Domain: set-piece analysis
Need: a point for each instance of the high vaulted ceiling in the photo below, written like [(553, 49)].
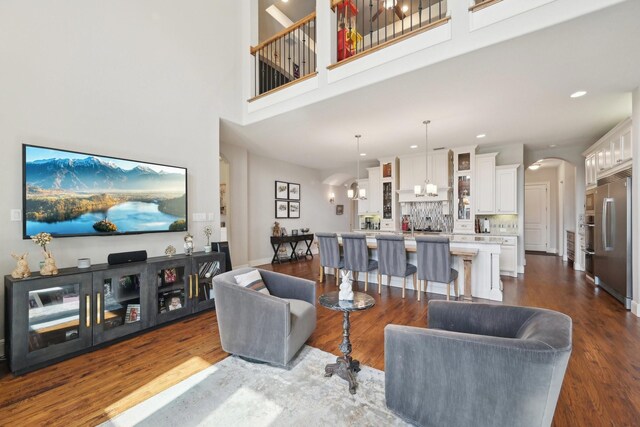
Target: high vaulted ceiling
[(514, 92)]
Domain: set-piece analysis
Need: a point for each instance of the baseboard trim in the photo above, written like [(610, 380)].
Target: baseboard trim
[(635, 308), (552, 251), (260, 261)]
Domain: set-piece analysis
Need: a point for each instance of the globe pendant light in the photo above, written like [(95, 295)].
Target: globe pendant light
[(429, 189)]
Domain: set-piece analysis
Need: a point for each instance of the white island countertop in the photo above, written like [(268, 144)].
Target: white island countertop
[(485, 273)]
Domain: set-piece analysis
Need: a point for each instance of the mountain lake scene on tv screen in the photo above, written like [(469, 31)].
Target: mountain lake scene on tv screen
[(70, 193)]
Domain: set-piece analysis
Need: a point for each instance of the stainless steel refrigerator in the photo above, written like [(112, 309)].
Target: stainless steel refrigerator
[(612, 259)]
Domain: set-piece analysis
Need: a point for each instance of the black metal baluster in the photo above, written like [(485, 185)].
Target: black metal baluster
[(411, 14), (420, 8), (386, 26), (304, 48), (315, 48)]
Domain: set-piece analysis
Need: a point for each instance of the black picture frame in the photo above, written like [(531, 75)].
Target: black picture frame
[(339, 209), (281, 209), (293, 209), (294, 191), (281, 190)]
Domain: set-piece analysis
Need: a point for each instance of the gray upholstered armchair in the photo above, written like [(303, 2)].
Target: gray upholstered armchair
[(478, 365), (269, 328)]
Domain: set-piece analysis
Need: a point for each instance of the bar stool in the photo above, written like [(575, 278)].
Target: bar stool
[(356, 256), (434, 262), (329, 254), (392, 257)]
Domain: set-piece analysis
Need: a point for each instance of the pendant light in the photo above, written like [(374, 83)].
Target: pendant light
[(428, 189), (358, 193)]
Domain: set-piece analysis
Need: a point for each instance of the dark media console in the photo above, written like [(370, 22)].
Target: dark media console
[(52, 318)]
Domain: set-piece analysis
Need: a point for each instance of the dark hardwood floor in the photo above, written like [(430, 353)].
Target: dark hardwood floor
[(601, 387)]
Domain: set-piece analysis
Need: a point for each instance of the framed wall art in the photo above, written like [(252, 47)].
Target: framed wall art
[(294, 191), (282, 190), (339, 209), (294, 209), (282, 209)]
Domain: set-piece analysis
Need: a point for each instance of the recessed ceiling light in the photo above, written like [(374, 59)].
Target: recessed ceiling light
[(578, 94), (405, 8), (363, 154), (482, 135), (553, 145), (414, 146), (534, 166), (285, 1)]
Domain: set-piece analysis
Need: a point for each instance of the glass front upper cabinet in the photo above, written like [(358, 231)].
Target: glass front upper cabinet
[(387, 200), (464, 196), (463, 162)]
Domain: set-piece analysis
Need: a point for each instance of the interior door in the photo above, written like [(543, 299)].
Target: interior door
[(536, 236)]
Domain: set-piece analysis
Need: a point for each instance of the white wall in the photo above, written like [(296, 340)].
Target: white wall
[(635, 305), (144, 80), (238, 208), (316, 212), (541, 176)]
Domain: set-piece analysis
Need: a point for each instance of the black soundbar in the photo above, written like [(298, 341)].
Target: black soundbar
[(127, 257)]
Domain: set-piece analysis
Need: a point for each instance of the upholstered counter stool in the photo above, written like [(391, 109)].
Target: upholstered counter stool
[(356, 256), (434, 262), (330, 254), (392, 259)]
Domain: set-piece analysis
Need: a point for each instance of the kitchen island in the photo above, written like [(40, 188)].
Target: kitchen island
[(485, 267)]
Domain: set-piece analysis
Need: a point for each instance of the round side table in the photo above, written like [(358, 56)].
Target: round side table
[(345, 367)]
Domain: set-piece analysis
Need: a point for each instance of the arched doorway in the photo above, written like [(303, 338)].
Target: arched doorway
[(225, 216)]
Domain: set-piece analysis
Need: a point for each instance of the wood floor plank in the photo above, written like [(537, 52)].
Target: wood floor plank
[(601, 387)]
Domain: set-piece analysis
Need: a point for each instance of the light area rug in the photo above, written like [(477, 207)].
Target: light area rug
[(234, 392)]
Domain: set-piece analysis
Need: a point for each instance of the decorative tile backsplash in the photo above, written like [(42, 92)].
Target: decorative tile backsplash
[(430, 214)]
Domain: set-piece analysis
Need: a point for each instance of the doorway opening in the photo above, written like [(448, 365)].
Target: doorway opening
[(225, 217), (550, 225)]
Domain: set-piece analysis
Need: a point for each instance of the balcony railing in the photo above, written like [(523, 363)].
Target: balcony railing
[(365, 25), (285, 58)]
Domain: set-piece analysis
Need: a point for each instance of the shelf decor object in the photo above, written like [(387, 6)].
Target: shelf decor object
[(357, 193), (428, 189)]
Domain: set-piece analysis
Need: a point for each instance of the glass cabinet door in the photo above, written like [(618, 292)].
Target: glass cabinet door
[(387, 200), (205, 268), (464, 197), (119, 304), (174, 288), (57, 317)]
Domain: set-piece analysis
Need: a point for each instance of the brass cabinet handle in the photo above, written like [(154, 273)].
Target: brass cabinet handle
[(98, 310), (197, 292), (191, 286), (88, 308)]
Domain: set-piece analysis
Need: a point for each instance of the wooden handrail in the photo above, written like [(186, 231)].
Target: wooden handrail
[(483, 4), (334, 3), (381, 46), (284, 32)]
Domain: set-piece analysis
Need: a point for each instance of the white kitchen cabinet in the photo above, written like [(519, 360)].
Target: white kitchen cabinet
[(363, 205), (485, 171), (590, 170), (413, 168), (506, 195), (611, 154), (374, 193), (509, 256), (625, 140), (464, 189)]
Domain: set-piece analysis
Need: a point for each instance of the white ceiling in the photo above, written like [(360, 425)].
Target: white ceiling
[(514, 92)]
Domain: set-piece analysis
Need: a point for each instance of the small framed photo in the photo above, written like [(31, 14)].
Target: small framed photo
[(294, 232), (283, 231), (170, 275), (282, 209), (294, 209), (339, 209), (294, 191), (133, 313), (282, 191)]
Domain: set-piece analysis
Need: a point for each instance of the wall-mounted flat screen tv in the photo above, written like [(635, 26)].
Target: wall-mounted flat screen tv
[(67, 193)]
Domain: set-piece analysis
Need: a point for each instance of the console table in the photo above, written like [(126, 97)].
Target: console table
[(278, 241)]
